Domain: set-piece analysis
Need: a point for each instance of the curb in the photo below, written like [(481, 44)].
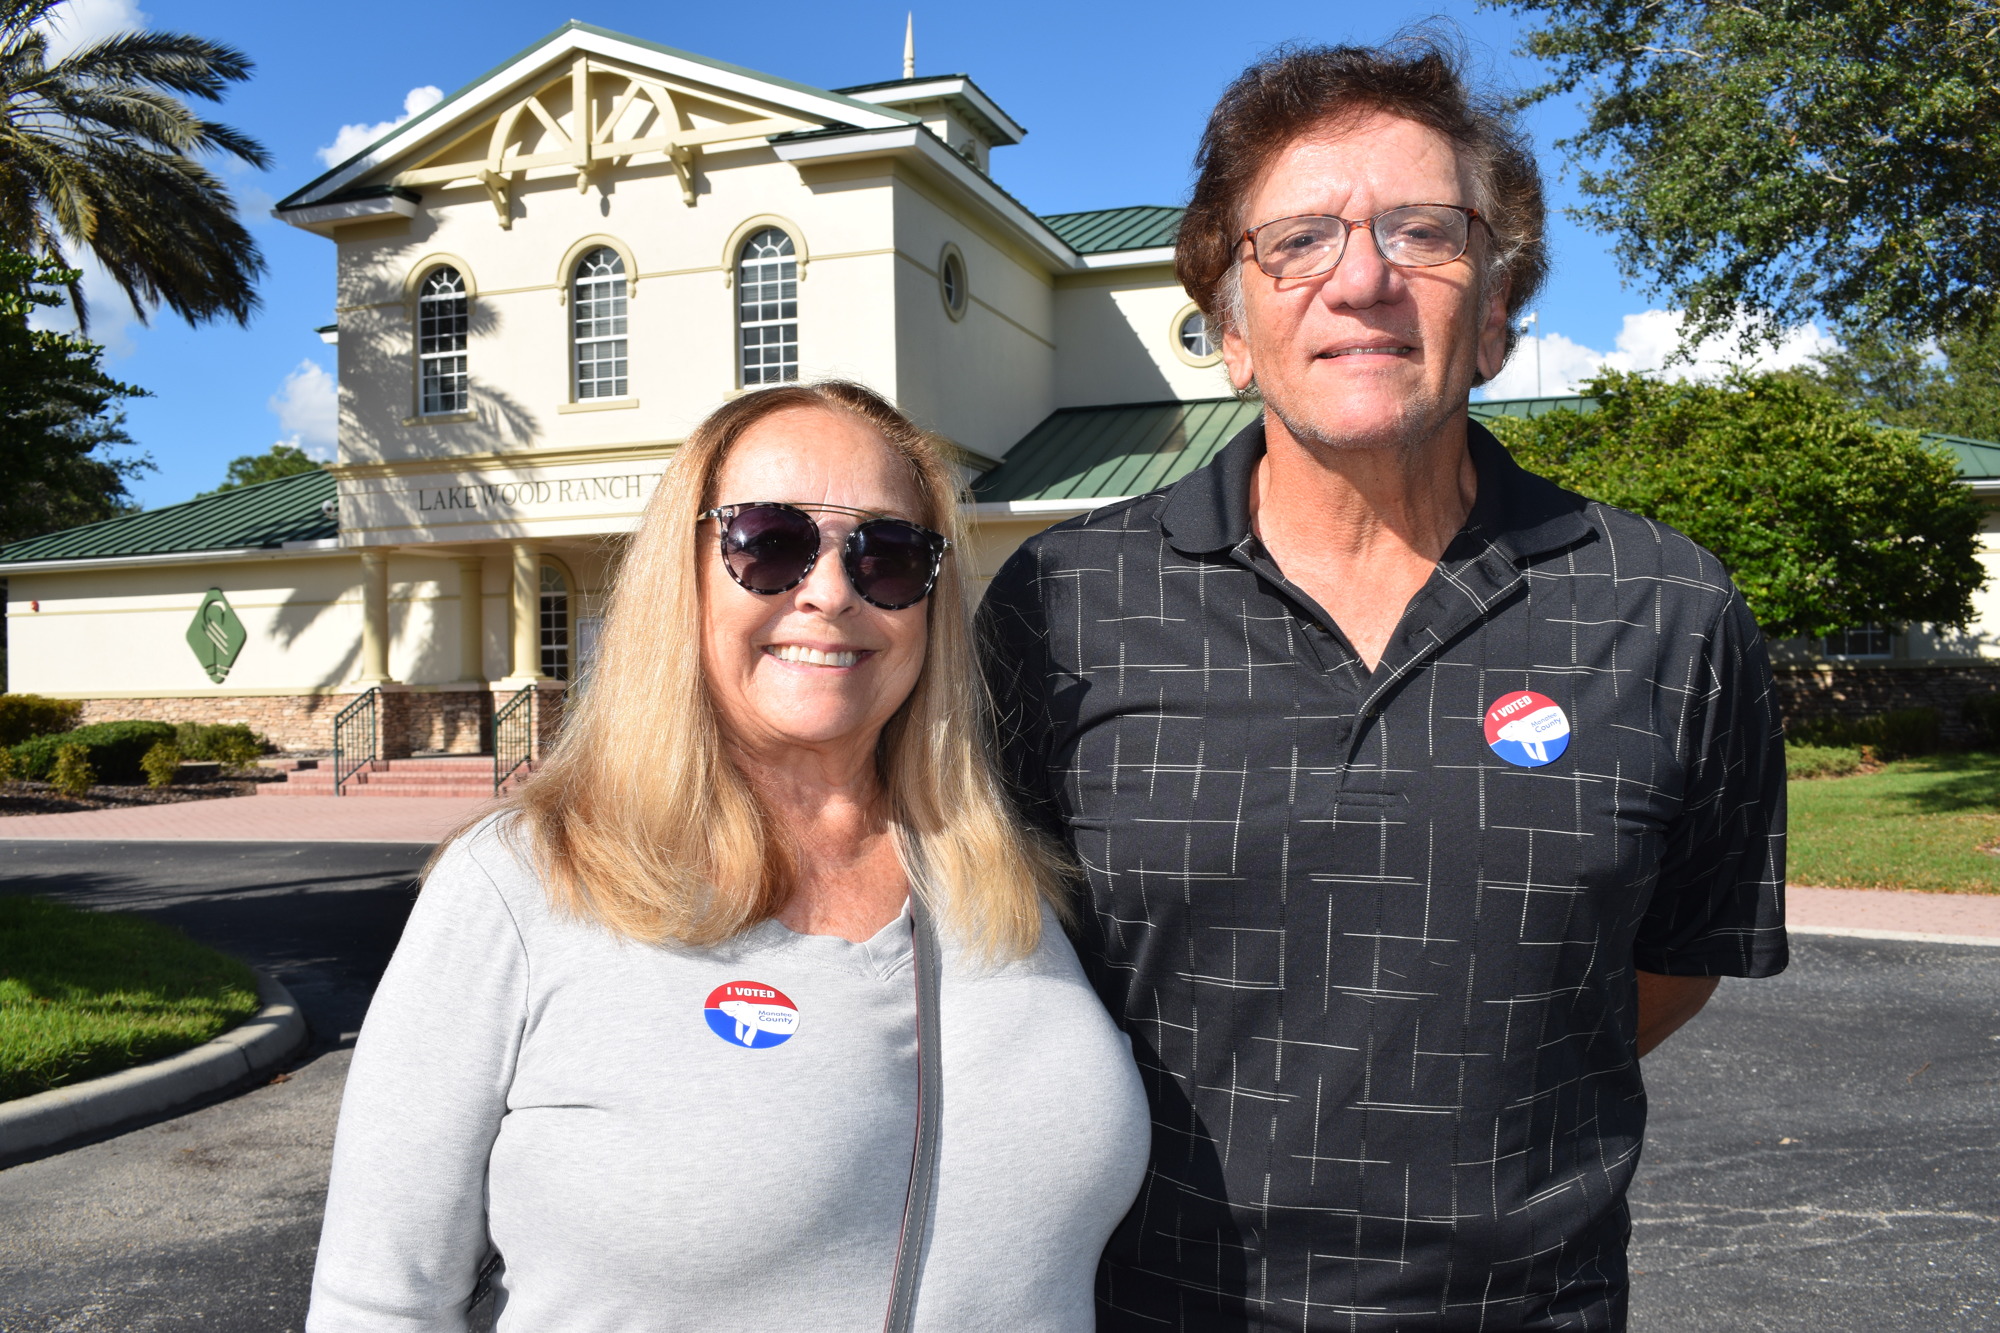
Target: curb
[(276, 1031), (1908, 936)]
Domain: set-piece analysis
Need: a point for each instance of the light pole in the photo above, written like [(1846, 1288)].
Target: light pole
[(1529, 325)]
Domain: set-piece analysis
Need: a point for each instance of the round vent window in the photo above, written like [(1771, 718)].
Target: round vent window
[(1193, 340), (1194, 335), (951, 282)]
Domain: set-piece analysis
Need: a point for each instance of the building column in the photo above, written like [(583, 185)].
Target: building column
[(527, 663), (375, 618), (471, 618)]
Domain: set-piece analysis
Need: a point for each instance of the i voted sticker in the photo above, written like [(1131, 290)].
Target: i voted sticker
[(749, 1013), (1527, 729)]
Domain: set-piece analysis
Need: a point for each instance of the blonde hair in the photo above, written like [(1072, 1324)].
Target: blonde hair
[(642, 822)]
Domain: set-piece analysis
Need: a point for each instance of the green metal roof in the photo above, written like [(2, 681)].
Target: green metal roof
[(1103, 230), (1092, 453), (272, 513), (1107, 453), (1978, 460), (1531, 407)]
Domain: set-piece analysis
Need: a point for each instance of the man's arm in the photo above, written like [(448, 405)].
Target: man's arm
[(1012, 633), (1665, 1003), (1717, 908)]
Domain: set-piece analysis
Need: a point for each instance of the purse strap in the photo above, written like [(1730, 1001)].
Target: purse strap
[(925, 966)]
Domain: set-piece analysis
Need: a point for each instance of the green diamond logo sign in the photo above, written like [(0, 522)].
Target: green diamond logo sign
[(216, 635)]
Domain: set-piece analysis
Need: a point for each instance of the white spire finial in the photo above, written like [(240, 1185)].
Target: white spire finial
[(910, 45)]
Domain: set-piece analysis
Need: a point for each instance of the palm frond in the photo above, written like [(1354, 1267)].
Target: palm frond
[(178, 62), (21, 20), (98, 151)]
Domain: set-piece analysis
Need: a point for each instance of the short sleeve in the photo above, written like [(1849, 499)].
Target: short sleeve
[(1718, 909), (1014, 654), (405, 1230)]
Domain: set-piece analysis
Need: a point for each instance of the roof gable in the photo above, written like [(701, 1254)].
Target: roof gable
[(520, 115)]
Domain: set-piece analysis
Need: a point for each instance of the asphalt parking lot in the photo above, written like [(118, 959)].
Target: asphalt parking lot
[(1824, 1152)]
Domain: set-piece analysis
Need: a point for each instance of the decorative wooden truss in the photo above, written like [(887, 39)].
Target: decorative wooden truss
[(650, 115)]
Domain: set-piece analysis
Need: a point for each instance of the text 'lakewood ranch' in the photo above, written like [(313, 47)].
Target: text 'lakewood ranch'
[(631, 486)]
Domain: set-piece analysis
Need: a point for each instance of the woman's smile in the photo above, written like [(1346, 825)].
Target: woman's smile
[(812, 658)]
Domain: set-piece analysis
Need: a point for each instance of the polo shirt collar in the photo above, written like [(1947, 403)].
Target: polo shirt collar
[(1519, 513)]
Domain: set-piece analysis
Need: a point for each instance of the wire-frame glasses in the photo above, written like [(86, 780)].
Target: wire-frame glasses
[(1413, 236)]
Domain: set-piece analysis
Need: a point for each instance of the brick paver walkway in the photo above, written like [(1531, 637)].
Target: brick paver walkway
[(250, 819), (427, 818), (1972, 915)]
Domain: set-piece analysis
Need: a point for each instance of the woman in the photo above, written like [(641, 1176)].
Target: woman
[(650, 1037)]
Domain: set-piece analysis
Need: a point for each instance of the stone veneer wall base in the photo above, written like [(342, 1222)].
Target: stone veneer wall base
[(1807, 693), (451, 721)]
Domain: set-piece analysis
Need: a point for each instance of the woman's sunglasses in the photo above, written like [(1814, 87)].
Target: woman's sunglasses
[(770, 547)]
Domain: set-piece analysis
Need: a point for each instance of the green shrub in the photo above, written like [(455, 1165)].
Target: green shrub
[(1903, 733), (1908, 732), (6, 764), (1820, 761), (114, 749), (1982, 711), (230, 744), (1840, 732), (162, 763), (72, 775), (23, 716)]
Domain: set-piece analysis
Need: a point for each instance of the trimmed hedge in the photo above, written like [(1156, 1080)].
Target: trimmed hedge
[(23, 716), (230, 744), (1982, 712), (113, 748), (1904, 733), (1820, 761)]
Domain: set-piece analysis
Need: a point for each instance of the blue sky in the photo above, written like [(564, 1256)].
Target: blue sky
[(1113, 97)]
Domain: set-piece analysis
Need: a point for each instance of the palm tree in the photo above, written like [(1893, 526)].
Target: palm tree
[(95, 154)]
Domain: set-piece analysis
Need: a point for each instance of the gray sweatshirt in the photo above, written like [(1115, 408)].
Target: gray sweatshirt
[(659, 1138)]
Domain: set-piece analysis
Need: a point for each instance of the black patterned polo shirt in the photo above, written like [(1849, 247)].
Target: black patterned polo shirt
[(1374, 933)]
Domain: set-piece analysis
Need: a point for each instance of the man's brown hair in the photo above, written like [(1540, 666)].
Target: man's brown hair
[(1416, 76)]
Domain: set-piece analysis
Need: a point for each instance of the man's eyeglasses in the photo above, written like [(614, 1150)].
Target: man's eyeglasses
[(770, 547), (1413, 236)]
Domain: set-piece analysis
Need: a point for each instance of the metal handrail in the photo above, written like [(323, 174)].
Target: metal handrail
[(513, 736), (354, 724)]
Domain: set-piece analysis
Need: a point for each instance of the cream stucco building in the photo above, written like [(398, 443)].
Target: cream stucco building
[(543, 283)]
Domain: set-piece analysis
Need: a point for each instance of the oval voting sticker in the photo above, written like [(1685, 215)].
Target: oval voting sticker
[(749, 1013), (1527, 729)]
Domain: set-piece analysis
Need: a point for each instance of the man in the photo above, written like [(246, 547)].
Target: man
[(1417, 797)]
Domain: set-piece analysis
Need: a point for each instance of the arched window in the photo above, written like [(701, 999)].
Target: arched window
[(555, 623), (767, 308), (598, 298), (441, 376)]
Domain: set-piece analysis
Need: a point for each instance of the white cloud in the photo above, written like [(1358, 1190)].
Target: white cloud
[(1645, 342), (307, 406), (353, 138), (81, 22)]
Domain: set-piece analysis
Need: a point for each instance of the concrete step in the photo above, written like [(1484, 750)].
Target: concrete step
[(397, 776), (424, 789), (473, 783), (440, 763), (467, 775)]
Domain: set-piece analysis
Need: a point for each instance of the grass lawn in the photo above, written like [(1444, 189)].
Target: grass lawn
[(90, 993), (1916, 824)]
